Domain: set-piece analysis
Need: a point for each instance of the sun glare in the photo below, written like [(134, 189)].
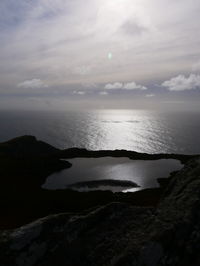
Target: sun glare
[(112, 13)]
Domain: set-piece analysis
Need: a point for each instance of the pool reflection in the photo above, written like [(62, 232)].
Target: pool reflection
[(143, 173)]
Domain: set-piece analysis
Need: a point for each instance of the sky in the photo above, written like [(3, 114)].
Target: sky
[(99, 53)]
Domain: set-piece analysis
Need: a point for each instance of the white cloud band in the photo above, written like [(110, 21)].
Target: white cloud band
[(33, 84), (125, 86), (182, 83)]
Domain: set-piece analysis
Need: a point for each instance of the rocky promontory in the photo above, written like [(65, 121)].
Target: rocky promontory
[(26, 146), (109, 228)]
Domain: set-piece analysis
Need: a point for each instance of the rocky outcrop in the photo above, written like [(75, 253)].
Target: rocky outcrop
[(26, 146), (83, 153), (29, 147), (116, 234)]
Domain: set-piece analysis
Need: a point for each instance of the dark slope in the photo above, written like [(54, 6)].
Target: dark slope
[(116, 234)]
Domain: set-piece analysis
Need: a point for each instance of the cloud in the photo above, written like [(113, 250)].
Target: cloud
[(133, 86), (182, 83), (79, 92), (103, 93), (133, 28), (33, 84), (116, 85), (125, 86), (67, 42), (150, 95)]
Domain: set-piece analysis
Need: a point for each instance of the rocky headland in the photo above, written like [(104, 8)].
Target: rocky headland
[(152, 227)]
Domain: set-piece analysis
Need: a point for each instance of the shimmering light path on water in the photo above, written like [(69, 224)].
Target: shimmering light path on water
[(139, 130)]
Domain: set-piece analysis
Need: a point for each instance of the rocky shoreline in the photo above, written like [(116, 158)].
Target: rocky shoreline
[(25, 163), (83, 153), (152, 227)]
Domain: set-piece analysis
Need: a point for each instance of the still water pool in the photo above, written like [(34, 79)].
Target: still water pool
[(143, 173)]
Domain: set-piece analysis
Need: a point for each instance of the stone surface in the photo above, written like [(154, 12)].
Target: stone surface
[(116, 234)]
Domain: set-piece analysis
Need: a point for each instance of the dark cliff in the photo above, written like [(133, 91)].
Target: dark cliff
[(116, 234)]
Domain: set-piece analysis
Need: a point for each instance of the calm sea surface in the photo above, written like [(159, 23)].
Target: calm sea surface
[(142, 131)]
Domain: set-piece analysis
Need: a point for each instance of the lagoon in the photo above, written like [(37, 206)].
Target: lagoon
[(84, 171)]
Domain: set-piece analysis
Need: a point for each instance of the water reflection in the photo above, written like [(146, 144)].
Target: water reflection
[(143, 173), (139, 130), (125, 129)]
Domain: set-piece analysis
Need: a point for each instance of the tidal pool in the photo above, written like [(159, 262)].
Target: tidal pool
[(85, 171)]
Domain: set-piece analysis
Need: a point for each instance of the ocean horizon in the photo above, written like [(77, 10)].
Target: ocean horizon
[(138, 130)]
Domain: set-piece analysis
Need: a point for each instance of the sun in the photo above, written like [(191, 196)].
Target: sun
[(112, 13)]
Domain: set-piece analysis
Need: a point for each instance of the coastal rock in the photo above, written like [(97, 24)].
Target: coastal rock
[(26, 146), (116, 234), (29, 147), (83, 153)]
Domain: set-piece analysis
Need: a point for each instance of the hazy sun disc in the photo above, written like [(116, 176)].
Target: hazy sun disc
[(110, 56)]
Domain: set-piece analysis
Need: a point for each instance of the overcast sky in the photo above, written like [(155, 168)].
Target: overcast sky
[(57, 52)]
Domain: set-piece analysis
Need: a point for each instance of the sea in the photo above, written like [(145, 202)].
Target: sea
[(137, 130)]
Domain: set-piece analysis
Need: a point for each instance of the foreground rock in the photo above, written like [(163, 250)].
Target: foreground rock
[(117, 234)]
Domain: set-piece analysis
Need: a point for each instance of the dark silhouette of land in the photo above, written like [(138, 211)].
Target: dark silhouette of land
[(25, 163)]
